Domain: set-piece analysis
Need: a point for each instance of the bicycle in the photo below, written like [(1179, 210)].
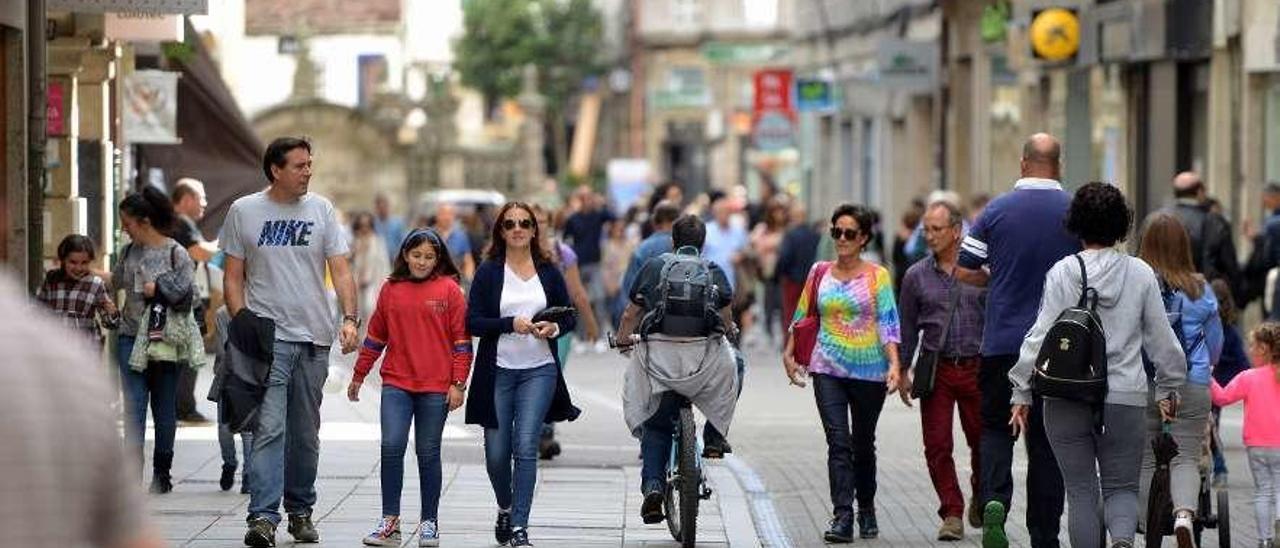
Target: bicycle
[(685, 485)]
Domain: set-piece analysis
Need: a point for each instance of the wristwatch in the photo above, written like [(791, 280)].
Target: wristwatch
[(353, 319), (461, 385)]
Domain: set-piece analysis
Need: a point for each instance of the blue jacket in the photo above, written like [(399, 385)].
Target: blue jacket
[(485, 321), (1200, 321)]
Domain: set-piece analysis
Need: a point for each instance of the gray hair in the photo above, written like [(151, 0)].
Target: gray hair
[(954, 216)]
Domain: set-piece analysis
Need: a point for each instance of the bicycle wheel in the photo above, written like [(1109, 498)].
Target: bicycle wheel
[(683, 488)]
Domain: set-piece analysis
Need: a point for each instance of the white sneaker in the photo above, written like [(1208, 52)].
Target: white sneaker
[(429, 534), (1184, 530), (387, 533)]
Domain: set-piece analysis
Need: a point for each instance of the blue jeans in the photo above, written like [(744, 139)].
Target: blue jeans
[(521, 398), (227, 443), (286, 441), (157, 384), (428, 412)]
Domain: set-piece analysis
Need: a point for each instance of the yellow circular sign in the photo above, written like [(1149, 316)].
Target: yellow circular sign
[(1055, 34)]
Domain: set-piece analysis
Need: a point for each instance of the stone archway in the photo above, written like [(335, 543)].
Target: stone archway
[(354, 159)]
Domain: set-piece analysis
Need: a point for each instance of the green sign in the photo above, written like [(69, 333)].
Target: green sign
[(994, 19), (731, 53)]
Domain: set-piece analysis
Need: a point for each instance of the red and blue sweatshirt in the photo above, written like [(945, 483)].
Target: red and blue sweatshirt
[(421, 328)]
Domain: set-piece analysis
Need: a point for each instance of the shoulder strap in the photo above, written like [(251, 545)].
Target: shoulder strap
[(819, 271), (173, 257), (1084, 285), (951, 312)]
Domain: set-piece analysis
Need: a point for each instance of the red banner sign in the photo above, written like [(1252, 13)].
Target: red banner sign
[(773, 91)]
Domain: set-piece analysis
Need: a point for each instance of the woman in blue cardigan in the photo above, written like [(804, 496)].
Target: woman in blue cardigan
[(516, 382)]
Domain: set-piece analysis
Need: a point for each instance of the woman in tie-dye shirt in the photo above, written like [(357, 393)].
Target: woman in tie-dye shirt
[(854, 367)]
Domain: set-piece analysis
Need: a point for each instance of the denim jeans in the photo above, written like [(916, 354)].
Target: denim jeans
[(1264, 462), (427, 412), (157, 384), (521, 398), (227, 443), (286, 441), (851, 444), (1045, 492)]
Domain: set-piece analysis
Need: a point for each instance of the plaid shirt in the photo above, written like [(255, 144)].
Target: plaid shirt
[(79, 302), (923, 302)]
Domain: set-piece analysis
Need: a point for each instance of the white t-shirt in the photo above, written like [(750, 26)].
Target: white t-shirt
[(285, 248), (522, 298)]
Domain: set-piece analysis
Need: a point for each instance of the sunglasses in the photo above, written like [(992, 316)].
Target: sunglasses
[(511, 224), (850, 234)]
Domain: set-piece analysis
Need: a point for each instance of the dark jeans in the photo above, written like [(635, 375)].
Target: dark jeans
[(955, 386), (157, 384), (521, 398), (427, 412), (851, 444), (186, 393), (1044, 480)]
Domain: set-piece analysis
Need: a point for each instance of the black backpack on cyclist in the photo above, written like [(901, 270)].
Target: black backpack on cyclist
[(1072, 363), (686, 297)]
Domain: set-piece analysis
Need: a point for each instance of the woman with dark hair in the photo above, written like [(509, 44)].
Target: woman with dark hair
[(1193, 308), (420, 327), (517, 382), (1100, 466), (153, 341), (369, 262), (854, 365)]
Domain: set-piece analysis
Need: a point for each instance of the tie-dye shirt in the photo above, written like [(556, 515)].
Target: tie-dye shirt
[(857, 318)]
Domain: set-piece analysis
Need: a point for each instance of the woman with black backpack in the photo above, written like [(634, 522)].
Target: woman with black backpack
[(1192, 309), (1091, 430)]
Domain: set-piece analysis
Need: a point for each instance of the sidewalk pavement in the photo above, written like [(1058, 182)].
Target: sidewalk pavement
[(577, 504)]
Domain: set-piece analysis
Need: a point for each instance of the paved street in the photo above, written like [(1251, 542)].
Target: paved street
[(773, 493)]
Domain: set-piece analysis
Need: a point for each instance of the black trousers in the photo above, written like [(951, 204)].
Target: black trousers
[(1045, 493), (850, 410)]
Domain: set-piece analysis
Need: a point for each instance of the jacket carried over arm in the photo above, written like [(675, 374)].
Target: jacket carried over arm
[(484, 320)]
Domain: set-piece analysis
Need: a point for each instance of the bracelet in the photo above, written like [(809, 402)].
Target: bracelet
[(353, 319)]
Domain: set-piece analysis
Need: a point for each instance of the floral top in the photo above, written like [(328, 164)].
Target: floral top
[(857, 318)]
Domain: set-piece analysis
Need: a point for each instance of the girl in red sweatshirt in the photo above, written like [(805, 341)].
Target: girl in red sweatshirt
[(419, 328)]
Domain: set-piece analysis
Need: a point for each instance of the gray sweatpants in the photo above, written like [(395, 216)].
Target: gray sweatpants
[(1265, 464), (1189, 431), (1099, 470)]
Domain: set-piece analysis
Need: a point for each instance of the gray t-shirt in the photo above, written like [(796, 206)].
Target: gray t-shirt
[(284, 247)]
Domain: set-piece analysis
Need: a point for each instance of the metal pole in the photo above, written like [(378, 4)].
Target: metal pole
[(36, 104)]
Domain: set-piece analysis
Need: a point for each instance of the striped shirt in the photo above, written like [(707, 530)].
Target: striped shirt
[(857, 318)]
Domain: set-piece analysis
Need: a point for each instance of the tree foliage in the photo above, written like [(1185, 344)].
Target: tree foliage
[(563, 38)]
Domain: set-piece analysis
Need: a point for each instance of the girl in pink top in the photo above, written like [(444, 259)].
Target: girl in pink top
[(1260, 389)]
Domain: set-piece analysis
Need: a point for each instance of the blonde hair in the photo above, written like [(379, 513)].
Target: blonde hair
[(1267, 334)]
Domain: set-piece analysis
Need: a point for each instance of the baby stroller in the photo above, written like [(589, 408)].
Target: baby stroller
[(1205, 515)]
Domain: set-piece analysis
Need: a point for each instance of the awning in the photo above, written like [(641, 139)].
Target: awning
[(219, 147)]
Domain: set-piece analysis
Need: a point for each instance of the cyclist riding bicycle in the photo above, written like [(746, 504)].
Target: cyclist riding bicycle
[(680, 308)]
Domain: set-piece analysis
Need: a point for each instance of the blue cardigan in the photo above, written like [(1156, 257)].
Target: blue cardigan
[(485, 321)]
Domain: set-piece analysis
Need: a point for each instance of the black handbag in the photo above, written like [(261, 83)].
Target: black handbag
[(926, 366)]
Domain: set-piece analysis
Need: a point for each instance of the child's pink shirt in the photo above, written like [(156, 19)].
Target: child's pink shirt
[(1260, 391)]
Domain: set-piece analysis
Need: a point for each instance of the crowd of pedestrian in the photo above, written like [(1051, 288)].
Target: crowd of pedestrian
[(961, 312)]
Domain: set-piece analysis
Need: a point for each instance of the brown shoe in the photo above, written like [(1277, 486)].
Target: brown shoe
[(952, 529), (975, 514)]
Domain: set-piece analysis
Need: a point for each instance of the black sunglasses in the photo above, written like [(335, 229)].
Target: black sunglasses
[(850, 234), (510, 224)]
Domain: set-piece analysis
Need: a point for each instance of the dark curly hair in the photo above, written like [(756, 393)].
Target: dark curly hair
[(865, 218), (1099, 215)]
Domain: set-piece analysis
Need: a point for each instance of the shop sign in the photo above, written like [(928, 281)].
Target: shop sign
[(814, 94), (179, 7), (773, 131), (1055, 34), (685, 87), (729, 53), (143, 27), (907, 66), (151, 107), (773, 91), (55, 113)]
